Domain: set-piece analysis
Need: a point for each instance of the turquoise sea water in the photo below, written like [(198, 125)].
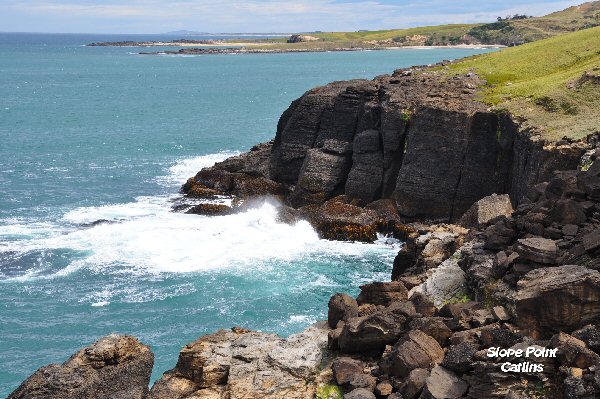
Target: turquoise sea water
[(101, 133)]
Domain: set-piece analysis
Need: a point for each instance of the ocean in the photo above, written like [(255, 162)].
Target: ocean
[(93, 134)]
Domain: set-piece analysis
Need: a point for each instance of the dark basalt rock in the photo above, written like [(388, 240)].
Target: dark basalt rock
[(382, 293), (460, 357), (342, 307)]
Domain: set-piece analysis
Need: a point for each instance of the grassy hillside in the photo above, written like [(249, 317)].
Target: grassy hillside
[(506, 32), (544, 82), (519, 31)]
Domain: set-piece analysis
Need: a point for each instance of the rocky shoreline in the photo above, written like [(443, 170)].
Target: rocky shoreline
[(502, 237)]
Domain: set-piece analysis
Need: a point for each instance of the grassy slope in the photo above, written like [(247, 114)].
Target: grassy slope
[(449, 30), (505, 32), (536, 81)]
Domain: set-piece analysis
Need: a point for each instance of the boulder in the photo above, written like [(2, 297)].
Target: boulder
[(446, 282), (590, 334), (384, 388), (557, 298), (345, 368), (266, 366), (573, 352), (486, 209), (500, 235), (591, 241), (360, 393), (342, 307), (415, 350), (459, 358), (414, 383), (423, 305), (114, 367), (538, 249), (207, 360), (443, 384), (374, 331), (382, 293), (568, 211), (432, 326)]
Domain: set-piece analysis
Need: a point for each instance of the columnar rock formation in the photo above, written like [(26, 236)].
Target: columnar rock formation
[(416, 137)]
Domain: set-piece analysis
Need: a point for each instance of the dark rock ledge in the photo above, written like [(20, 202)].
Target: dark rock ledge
[(502, 249)]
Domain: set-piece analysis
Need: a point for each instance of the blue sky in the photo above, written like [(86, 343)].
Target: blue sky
[(156, 16)]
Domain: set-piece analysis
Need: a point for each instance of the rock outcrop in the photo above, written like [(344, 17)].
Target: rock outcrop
[(244, 364), (416, 137), (114, 367)]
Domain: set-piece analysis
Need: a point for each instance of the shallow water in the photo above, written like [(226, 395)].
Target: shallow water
[(102, 134)]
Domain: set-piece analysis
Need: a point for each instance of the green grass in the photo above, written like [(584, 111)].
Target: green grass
[(448, 30), (504, 32), (330, 391), (538, 82)]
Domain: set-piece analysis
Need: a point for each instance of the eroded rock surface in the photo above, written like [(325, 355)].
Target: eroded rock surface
[(114, 367)]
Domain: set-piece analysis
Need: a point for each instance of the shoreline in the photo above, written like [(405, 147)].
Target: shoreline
[(211, 49)]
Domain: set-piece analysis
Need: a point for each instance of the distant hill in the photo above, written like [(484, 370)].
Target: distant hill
[(517, 29)]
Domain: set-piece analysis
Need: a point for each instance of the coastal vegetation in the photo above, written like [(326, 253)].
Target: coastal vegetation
[(508, 31), (551, 83)]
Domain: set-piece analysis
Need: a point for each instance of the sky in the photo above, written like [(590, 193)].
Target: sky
[(254, 16)]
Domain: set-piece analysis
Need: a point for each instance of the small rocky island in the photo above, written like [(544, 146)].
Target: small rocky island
[(501, 226)]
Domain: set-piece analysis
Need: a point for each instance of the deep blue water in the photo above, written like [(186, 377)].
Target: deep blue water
[(89, 133)]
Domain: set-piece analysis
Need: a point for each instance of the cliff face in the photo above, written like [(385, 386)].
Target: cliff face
[(417, 136)]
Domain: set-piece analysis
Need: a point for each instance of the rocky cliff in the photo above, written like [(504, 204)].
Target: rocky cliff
[(519, 269), (419, 137)]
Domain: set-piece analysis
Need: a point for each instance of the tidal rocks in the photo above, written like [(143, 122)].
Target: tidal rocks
[(337, 219), (554, 298), (114, 367)]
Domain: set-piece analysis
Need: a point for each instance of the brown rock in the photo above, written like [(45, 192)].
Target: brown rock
[(486, 209), (573, 352), (372, 332), (538, 249), (557, 298), (443, 384), (360, 393), (341, 307), (384, 388), (380, 293), (434, 327), (414, 383), (415, 350), (114, 367)]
